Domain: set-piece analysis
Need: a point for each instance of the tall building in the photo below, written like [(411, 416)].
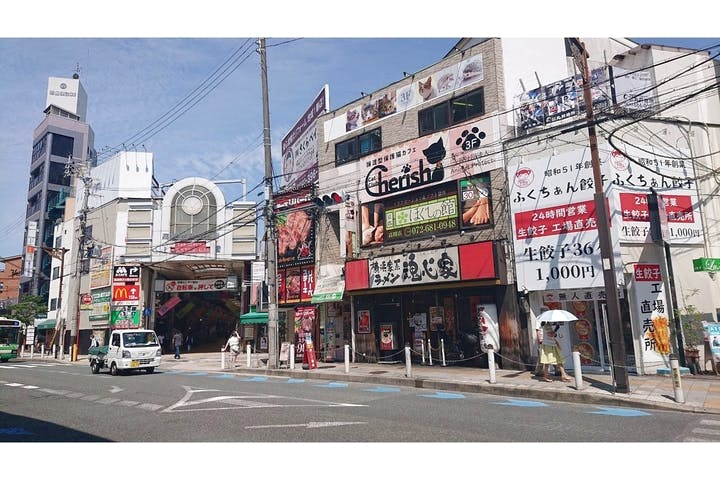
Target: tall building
[(62, 137)]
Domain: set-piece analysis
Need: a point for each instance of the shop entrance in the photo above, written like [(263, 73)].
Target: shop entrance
[(388, 332)]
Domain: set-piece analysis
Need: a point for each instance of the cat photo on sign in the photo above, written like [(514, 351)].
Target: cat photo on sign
[(386, 104), (352, 119), (369, 112), (426, 89)]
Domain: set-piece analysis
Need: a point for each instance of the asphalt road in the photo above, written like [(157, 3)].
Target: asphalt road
[(49, 402)]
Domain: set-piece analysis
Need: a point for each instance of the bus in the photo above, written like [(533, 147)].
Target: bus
[(10, 331)]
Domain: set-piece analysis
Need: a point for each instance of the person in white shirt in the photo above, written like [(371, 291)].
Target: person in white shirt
[(233, 343), (551, 353)]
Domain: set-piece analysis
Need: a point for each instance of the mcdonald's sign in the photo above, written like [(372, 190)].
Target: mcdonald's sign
[(125, 294)]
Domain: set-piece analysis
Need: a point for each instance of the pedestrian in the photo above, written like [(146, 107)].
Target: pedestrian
[(233, 343), (93, 341), (177, 341), (551, 353), (189, 340)]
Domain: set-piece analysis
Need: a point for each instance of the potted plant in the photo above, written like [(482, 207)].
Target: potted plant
[(693, 336)]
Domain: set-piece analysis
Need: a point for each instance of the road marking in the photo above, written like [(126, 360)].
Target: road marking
[(332, 385), (90, 398), (74, 395), (14, 431), (127, 403), (150, 406), (196, 374), (296, 380), (706, 431), (308, 425), (511, 402), (253, 379), (108, 400), (383, 389), (224, 375), (711, 422), (115, 389), (30, 387), (54, 392), (444, 395), (14, 384), (620, 412)]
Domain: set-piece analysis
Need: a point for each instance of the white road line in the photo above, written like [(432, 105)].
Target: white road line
[(308, 425), (90, 398), (706, 431), (74, 395), (54, 392), (30, 387), (150, 406), (127, 403), (14, 384), (107, 400), (711, 422)]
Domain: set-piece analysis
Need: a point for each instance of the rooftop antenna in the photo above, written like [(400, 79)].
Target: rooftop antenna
[(76, 75)]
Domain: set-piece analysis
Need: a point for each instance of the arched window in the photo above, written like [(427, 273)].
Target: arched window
[(193, 214)]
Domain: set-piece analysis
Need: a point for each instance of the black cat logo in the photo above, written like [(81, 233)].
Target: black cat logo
[(435, 154)]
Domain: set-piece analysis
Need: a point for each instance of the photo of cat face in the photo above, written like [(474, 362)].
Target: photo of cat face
[(387, 105), (369, 112), (351, 120), (426, 89)]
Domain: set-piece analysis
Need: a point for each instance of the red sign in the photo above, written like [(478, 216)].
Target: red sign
[(557, 220), (86, 299), (678, 208), (190, 247), (647, 272), (125, 293), (310, 360)]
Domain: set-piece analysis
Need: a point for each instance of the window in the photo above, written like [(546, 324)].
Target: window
[(451, 112), (53, 304), (55, 273), (62, 146), (358, 146), (193, 214)]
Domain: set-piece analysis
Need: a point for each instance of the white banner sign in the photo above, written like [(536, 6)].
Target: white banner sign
[(207, 285), (652, 322)]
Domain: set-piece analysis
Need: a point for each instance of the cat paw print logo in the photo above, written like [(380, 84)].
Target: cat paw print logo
[(524, 177)]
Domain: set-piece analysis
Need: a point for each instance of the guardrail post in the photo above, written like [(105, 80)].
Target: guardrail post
[(429, 352), (677, 383), (22, 351), (222, 359), (408, 363), (577, 366), (346, 356), (247, 351), (442, 351), (32, 351), (491, 363), (422, 350), (42, 351)]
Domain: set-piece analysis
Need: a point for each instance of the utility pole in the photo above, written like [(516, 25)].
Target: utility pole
[(615, 327), (83, 171), (269, 218)]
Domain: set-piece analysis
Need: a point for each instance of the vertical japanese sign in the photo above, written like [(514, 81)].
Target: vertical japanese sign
[(651, 317), (555, 229), (712, 329)]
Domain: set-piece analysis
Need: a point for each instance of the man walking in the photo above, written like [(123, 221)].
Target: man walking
[(177, 341)]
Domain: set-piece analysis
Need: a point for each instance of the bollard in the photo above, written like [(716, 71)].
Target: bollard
[(577, 366), (222, 359), (422, 350), (53, 352), (346, 356), (408, 363), (32, 351), (292, 357), (22, 351), (491, 363), (247, 350), (677, 383), (442, 351), (429, 353), (42, 351)]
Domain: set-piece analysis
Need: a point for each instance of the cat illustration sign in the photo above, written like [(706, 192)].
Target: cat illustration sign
[(125, 294)]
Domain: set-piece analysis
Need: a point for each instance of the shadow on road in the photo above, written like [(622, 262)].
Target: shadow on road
[(15, 428)]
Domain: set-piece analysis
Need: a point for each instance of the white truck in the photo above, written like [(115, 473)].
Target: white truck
[(135, 349)]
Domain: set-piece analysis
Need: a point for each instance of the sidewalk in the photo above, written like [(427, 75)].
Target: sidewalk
[(701, 392)]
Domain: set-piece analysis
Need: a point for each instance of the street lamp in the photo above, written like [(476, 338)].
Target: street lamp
[(615, 327)]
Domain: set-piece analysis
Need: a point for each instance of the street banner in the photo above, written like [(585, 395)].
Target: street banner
[(651, 316), (310, 360)]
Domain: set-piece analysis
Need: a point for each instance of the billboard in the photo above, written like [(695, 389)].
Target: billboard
[(299, 146)]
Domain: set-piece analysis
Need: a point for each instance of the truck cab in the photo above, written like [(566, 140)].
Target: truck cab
[(134, 349)]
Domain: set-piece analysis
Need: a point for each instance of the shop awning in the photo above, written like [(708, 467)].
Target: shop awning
[(329, 289), (45, 325), (253, 317)]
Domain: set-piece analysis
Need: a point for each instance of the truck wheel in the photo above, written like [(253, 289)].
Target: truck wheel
[(113, 369), (94, 367), (150, 369)]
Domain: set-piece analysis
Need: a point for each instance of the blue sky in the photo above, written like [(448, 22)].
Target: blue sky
[(131, 82)]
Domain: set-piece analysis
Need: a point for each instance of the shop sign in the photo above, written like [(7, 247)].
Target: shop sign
[(415, 268), (189, 247), (207, 285), (169, 305), (125, 294), (304, 324), (712, 331), (295, 238), (295, 284), (651, 316), (101, 268), (127, 316), (126, 273), (100, 305), (706, 264), (555, 231), (423, 218), (86, 301)]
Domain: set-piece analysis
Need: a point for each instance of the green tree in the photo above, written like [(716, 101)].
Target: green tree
[(28, 309)]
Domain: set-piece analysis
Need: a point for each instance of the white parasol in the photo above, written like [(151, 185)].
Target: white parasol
[(556, 316)]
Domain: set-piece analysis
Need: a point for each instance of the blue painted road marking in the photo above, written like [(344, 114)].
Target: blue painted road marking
[(295, 380), (444, 395), (224, 375), (333, 385), (196, 374), (620, 412), (522, 403), (15, 431), (253, 379), (383, 389)]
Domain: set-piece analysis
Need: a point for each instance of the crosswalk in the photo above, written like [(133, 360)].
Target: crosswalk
[(706, 431), (11, 366)]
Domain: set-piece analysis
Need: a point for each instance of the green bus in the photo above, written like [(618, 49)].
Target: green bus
[(10, 331)]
